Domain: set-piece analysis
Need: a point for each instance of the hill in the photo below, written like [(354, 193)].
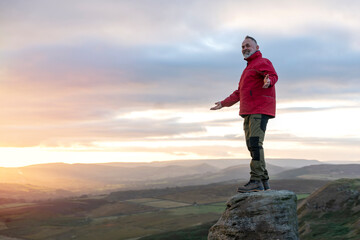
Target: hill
[(219, 163), (103, 178), (10, 192), (237, 172), (332, 212), (91, 177), (323, 171)]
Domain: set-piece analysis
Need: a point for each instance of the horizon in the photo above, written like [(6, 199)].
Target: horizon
[(183, 160), (90, 81)]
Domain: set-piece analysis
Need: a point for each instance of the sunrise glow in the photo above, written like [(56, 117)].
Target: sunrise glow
[(120, 82)]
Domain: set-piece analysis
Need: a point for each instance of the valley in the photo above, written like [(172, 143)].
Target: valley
[(126, 214), (135, 201)]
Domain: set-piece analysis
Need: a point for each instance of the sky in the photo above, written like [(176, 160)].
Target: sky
[(133, 81)]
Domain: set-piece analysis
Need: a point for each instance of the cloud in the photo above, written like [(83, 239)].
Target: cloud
[(71, 71), (141, 22), (84, 131)]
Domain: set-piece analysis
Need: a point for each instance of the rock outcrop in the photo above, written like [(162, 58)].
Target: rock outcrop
[(269, 215)]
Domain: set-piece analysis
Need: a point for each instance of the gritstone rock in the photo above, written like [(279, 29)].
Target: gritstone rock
[(269, 215)]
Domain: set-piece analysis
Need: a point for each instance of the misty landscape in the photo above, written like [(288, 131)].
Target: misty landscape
[(108, 128), (161, 199)]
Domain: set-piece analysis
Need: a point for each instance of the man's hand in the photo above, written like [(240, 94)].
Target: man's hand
[(266, 81), (217, 107)]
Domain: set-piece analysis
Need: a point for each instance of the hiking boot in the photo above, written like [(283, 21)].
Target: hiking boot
[(252, 186), (266, 184)]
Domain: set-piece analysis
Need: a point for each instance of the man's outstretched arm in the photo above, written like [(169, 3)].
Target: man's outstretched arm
[(227, 102), (217, 106)]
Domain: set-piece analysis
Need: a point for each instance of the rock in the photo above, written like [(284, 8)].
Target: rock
[(269, 215)]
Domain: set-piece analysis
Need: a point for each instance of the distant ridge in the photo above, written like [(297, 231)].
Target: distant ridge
[(219, 163), (76, 177), (62, 179), (323, 171)]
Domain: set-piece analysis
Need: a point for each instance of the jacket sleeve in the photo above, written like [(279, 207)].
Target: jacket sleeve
[(232, 99), (267, 68)]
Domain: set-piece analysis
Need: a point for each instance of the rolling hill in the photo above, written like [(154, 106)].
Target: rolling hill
[(332, 212), (12, 192), (63, 180), (237, 172), (125, 214), (219, 163), (322, 171), (106, 177), (92, 177)]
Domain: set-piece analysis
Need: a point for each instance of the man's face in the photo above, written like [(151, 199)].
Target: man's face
[(249, 47)]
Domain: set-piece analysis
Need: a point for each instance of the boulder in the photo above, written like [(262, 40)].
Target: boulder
[(269, 215)]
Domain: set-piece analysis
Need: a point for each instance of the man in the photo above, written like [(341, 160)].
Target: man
[(256, 93)]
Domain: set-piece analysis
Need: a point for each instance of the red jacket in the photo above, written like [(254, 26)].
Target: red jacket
[(253, 98)]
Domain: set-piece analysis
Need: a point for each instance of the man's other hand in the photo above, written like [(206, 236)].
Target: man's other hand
[(217, 106), (266, 81)]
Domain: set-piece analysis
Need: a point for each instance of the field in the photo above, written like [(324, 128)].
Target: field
[(128, 214), (198, 232), (158, 203), (15, 205), (302, 196), (91, 219)]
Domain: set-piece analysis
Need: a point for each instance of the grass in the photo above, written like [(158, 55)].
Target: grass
[(15, 205), (138, 225), (99, 220), (46, 232), (165, 204), (142, 200), (332, 225), (302, 196), (199, 209), (199, 232), (2, 226), (108, 221), (118, 208), (132, 214), (337, 214), (324, 230)]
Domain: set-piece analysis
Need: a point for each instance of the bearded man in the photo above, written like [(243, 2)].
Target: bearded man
[(256, 93)]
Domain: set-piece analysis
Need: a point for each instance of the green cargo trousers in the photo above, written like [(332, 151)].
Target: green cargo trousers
[(255, 127)]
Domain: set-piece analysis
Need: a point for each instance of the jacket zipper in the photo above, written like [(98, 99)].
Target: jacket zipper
[(250, 93)]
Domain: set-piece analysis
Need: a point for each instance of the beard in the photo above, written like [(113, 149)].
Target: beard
[(247, 53)]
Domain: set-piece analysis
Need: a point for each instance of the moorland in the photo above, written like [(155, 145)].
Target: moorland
[(114, 201)]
